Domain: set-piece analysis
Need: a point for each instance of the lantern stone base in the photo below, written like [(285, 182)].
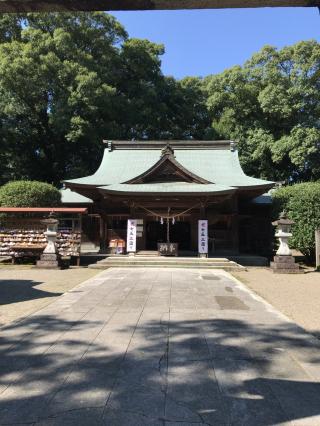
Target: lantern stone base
[(48, 261), (285, 265)]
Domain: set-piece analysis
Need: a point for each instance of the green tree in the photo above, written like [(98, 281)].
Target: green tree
[(29, 194), (271, 105), (57, 92), (302, 203), (67, 81)]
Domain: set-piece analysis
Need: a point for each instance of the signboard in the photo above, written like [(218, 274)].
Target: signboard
[(168, 249), (203, 236), (131, 235)]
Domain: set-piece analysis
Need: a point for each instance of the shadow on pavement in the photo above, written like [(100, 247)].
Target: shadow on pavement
[(13, 291), (210, 372)]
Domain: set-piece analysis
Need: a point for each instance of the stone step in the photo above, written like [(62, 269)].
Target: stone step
[(235, 267), (147, 253), (160, 264), (166, 262), (152, 262), (161, 259)]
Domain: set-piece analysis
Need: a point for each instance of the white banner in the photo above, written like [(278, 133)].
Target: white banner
[(203, 236), (131, 235)]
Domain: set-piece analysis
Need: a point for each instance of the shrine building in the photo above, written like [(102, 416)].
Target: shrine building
[(167, 188)]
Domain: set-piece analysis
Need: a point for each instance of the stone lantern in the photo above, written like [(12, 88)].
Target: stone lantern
[(284, 262), (283, 233), (49, 257)]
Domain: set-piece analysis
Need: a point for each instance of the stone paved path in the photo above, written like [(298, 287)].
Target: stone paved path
[(158, 347)]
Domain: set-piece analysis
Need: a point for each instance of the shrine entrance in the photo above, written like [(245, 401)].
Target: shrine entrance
[(180, 232)]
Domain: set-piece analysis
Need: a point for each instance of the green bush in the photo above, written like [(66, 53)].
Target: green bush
[(302, 203), (26, 193)]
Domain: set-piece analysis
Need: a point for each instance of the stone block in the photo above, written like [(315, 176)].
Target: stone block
[(275, 265), (284, 259), (48, 261), (285, 265), (49, 257), (50, 264)]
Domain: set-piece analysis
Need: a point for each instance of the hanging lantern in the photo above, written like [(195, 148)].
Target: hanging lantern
[(173, 221), (161, 220)]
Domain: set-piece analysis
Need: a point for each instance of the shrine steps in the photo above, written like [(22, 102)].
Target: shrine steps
[(147, 253), (166, 262)]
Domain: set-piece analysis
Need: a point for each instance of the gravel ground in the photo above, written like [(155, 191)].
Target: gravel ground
[(297, 296), (24, 290)]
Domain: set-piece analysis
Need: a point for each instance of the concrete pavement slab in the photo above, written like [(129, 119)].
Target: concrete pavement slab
[(158, 347)]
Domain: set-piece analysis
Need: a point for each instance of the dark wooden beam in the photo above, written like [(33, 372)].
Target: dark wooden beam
[(109, 5)]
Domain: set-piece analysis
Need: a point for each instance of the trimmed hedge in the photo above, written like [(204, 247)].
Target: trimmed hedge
[(26, 193), (302, 203)]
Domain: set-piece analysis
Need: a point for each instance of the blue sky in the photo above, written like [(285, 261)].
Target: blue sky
[(202, 42)]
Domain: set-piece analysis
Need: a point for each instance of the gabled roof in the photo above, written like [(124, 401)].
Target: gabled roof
[(209, 161), (167, 167)]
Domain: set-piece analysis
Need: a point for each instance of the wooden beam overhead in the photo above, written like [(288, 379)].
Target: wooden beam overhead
[(109, 5)]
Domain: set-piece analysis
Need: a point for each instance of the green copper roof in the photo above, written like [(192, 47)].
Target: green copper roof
[(168, 187), (71, 197), (213, 161)]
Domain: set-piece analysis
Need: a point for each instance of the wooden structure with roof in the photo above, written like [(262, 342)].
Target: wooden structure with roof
[(183, 181), (22, 231)]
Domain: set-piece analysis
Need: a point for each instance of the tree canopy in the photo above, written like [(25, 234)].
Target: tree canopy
[(24, 193), (271, 105), (67, 81), (302, 203)]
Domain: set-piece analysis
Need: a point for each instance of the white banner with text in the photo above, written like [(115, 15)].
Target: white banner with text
[(203, 236), (132, 235)]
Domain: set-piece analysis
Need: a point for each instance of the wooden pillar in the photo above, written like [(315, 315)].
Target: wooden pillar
[(132, 210), (235, 224), (202, 211), (144, 234), (102, 233), (194, 232), (80, 229), (80, 226)]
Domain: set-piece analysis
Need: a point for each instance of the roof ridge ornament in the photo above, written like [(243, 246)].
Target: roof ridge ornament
[(167, 151), (109, 144), (233, 146)]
